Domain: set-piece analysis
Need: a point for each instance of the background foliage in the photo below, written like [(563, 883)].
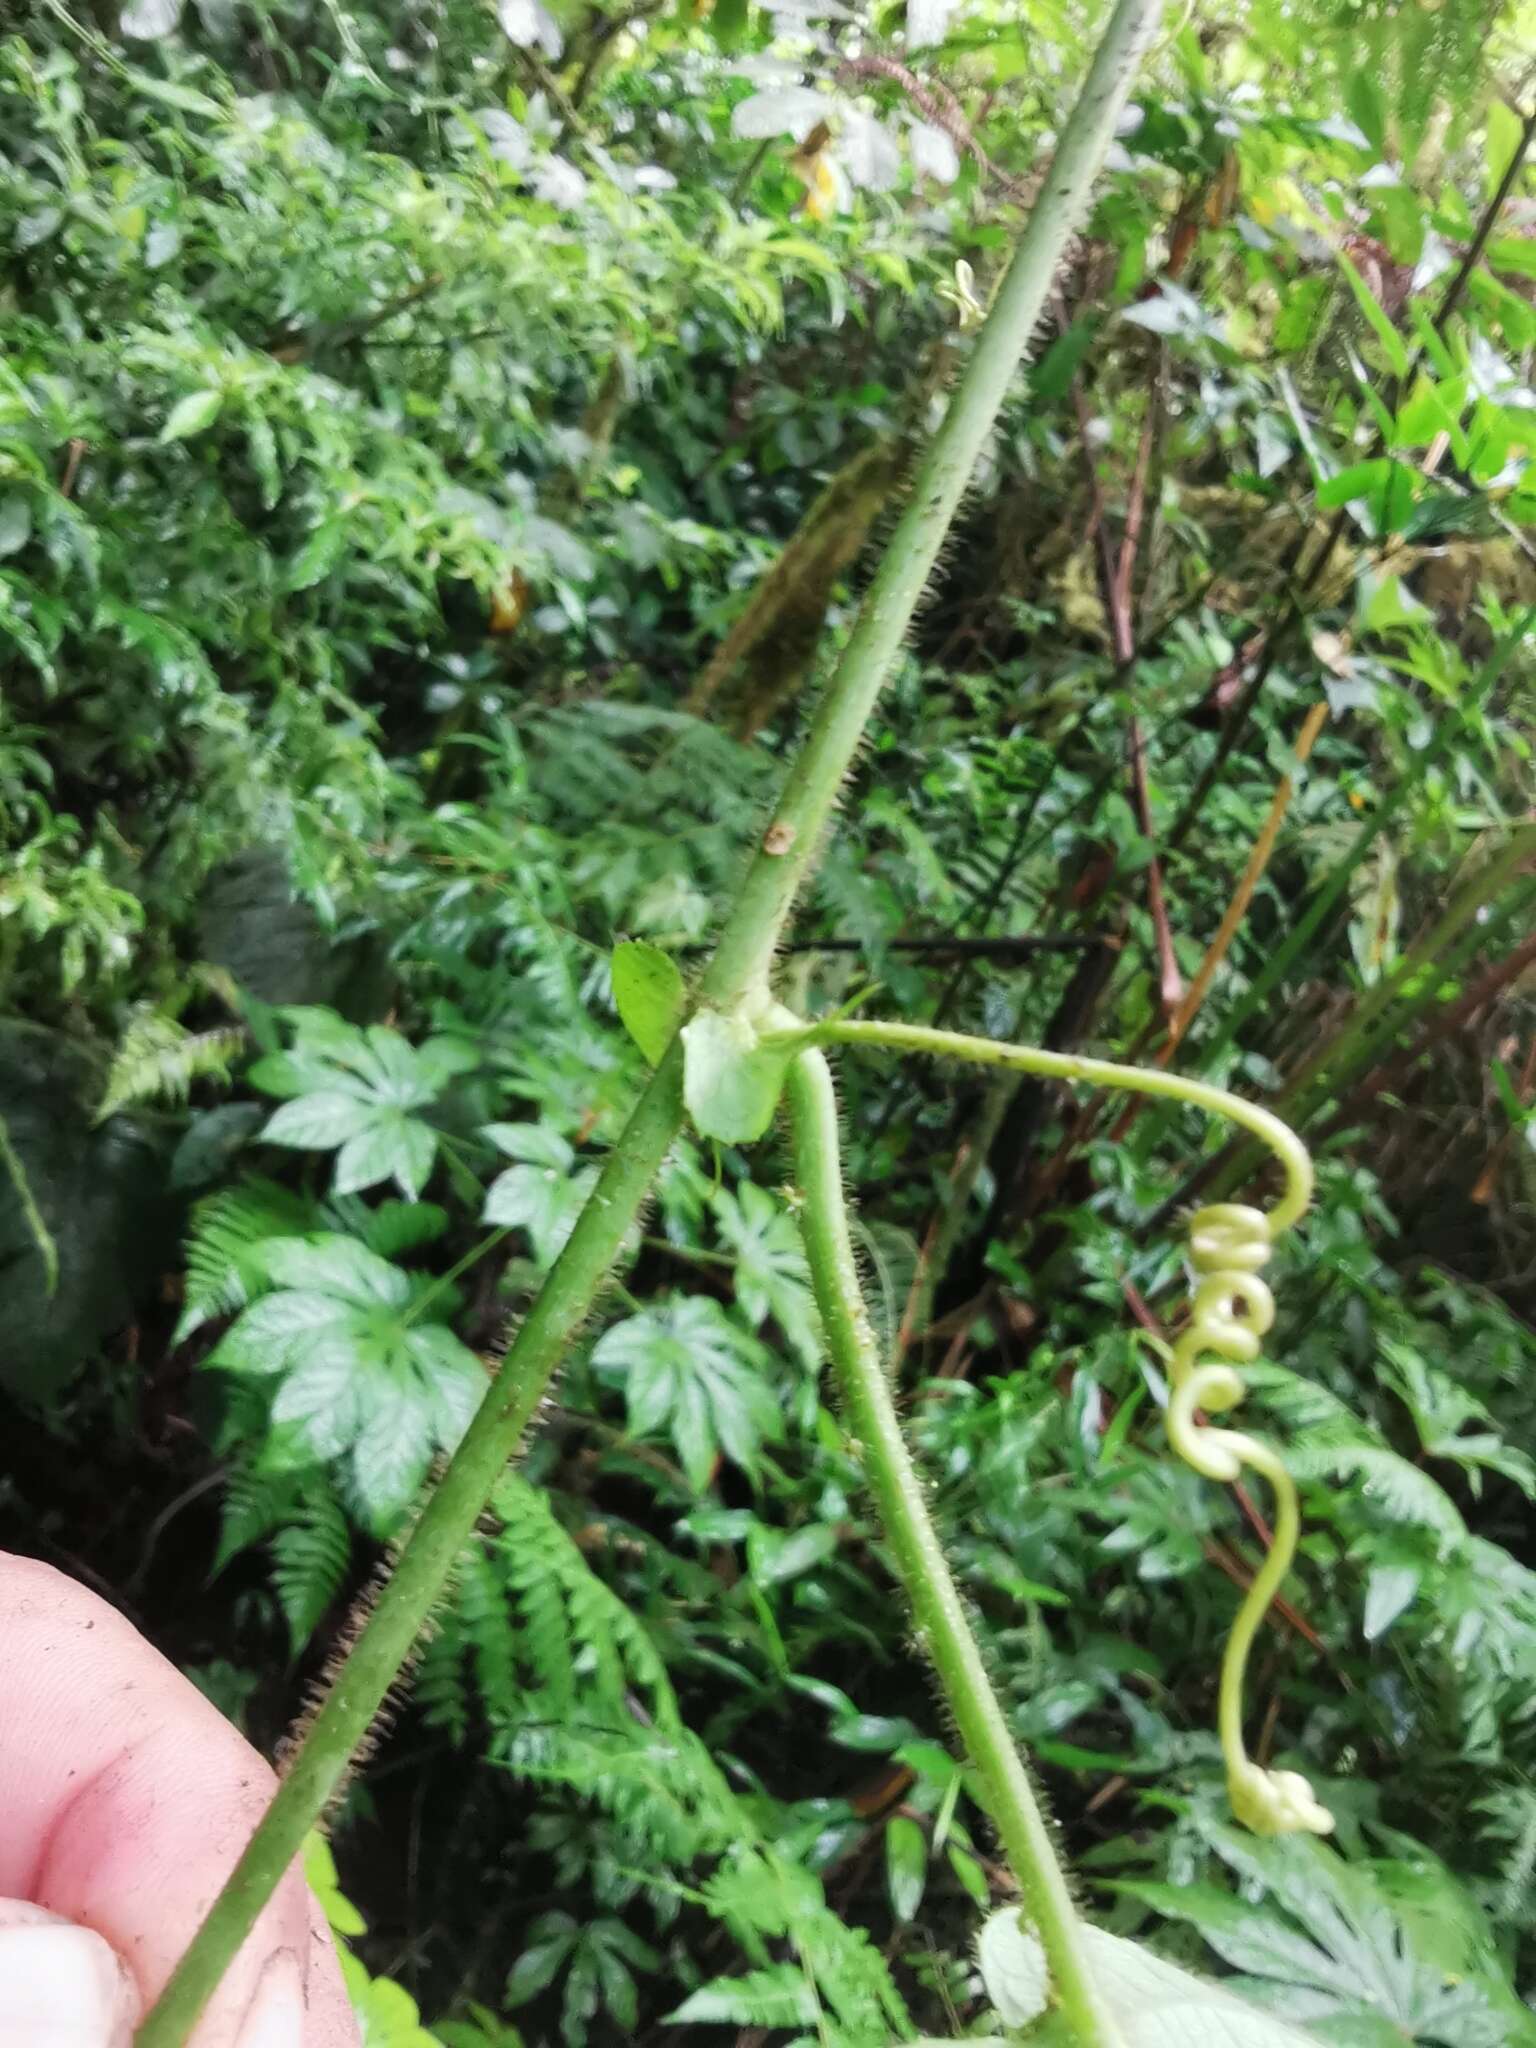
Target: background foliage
[(434, 445)]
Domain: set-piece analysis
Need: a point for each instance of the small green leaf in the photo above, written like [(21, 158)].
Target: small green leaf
[(1393, 346), (906, 1866), (731, 1084), (881, 1732), (1501, 140), (1383, 602), (1389, 1592), (649, 995), (15, 523), (191, 415), (774, 1555), (970, 1874), (318, 556)]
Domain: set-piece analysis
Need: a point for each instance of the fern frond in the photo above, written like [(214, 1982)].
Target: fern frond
[(255, 1502), (310, 1559), (228, 1230), (157, 1060)]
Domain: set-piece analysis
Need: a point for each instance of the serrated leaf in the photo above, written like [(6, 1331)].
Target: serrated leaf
[(260, 1341), (323, 1398), (545, 1201), (731, 1083), (393, 1146), (1154, 2004), (686, 1370), (390, 1453), (317, 1122), (336, 1265), (191, 415), (772, 1278), (649, 995), (774, 1998)]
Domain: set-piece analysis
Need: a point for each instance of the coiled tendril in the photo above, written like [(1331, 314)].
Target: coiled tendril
[(1231, 1309), (1230, 1313)]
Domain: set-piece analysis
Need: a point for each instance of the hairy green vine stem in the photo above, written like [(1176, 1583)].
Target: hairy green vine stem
[(938, 1611), (1230, 1311), (739, 971)]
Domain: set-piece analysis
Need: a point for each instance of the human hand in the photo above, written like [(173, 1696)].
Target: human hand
[(125, 1799)]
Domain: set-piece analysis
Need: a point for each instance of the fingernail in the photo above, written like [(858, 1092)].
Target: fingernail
[(61, 1986), (275, 2016)]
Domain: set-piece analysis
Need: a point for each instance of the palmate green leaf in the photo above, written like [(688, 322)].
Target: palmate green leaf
[(353, 1091), (226, 1249), (316, 1123), (1352, 1946), (688, 1372), (1154, 2004), (354, 1379), (771, 1274), (392, 1146), (544, 1193)]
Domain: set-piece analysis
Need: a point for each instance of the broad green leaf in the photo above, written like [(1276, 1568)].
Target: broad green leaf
[(688, 1372), (317, 1122), (534, 1144), (390, 1453), (191, 415), (332, 1264), (454, 1379), (263, 1338), (731, 1084), (649, 995), (1155, 2004), (1342, 1942), (543, 1200), (326, 1397), (906, 1866), (392, 1146)]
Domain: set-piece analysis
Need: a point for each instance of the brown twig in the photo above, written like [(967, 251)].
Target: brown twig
[(1117, 571), (74, 455)]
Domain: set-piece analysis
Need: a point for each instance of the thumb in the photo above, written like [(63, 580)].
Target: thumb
[(61, 1986)]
